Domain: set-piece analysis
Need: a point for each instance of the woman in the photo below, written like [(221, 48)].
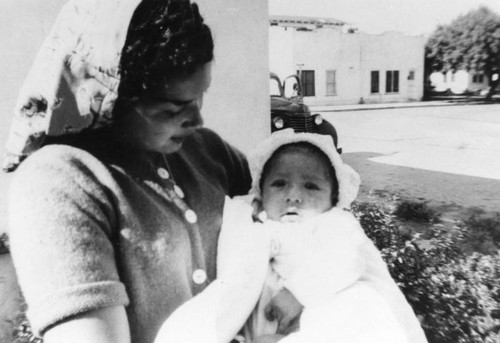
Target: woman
[(113, 229)]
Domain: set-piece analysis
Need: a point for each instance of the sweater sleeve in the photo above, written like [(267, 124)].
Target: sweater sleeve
[(61, 225)]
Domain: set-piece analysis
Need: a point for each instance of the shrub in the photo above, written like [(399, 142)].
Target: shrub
[(416, 211), (455, 296), (484, 233)]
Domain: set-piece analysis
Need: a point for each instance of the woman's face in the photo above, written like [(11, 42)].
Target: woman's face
[(163, 118), (297, 186)]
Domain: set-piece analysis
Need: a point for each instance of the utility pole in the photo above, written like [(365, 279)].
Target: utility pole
[(301, 86)]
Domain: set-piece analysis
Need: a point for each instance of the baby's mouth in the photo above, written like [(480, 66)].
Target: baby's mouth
[(290, 216)]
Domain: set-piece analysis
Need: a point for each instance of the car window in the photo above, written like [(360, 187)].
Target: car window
[(274, 88), (291, 88)]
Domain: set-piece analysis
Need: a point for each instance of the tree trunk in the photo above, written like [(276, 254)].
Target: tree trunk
[(493, 87)]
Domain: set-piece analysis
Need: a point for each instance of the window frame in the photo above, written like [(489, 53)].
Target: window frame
[(478, 78), (375, 82), (332, 82), (411, 75), (306, 84), (392, 81)]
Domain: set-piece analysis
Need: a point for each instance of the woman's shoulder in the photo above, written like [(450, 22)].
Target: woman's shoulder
[(53, 164), (56, 155)]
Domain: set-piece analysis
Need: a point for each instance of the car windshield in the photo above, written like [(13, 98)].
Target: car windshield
[(274, 88), (291, 88)]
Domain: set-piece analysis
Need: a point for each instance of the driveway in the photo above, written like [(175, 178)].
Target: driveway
[(446, 155)]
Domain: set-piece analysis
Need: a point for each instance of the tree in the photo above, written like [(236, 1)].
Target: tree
[(471, 42)]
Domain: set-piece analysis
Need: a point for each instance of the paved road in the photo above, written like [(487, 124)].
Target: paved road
[(447, 155)]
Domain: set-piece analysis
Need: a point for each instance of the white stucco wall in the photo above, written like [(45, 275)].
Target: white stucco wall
[(457, 82), (281, 61), (393, 51), (237, 103), (353, 56)]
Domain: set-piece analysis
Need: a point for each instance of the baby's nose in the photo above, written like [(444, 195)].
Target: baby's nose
[(294, 196)]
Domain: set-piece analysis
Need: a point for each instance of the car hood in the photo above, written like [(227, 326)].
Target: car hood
[(285, 105)]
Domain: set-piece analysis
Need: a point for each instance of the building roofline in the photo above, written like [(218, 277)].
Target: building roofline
[(297, 21)]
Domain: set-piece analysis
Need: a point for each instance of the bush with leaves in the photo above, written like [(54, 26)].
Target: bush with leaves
[(416, 211), (484, 235), (456, 296)]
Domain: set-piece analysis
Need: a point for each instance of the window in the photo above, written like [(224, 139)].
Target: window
[(331, 87), (308, 82), (411, 75), (375, 81), (392, 81), (477, 78)]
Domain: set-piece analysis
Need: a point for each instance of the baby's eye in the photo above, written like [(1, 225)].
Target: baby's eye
[(278, 183), (311, 186)]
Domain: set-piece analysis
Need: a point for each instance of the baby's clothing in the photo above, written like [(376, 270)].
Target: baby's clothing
[(337, 273), (327, 262)]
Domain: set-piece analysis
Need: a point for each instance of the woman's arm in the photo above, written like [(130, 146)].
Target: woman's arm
[(108, 325), (62, 219)]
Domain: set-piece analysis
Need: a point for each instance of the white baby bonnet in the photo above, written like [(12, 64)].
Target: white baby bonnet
[(347, 178)]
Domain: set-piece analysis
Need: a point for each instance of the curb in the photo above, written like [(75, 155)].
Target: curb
[(394, 106)]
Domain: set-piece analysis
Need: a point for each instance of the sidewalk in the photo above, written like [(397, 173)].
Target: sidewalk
[(452, 101)]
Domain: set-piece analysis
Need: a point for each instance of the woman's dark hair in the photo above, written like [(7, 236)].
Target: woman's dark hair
[(310, 149), (165, 38)]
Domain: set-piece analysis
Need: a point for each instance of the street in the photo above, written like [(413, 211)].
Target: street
[(445, 155)]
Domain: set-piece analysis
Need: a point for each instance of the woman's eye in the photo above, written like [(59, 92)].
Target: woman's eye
[(165, 115)]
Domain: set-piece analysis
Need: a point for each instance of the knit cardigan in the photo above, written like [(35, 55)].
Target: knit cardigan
[(91, 226)]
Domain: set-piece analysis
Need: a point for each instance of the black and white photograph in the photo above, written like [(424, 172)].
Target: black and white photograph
[(233, 171)]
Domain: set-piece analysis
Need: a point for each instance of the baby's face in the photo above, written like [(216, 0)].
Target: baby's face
[(297, 186)]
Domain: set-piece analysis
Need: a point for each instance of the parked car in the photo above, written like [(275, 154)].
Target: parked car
[(289, 111)]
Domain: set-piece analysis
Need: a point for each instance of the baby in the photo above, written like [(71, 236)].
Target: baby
[(326, 280)]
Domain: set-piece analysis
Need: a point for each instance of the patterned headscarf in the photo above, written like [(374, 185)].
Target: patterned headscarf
[(82, 52)]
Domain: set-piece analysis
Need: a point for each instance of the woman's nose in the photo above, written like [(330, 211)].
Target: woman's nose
[(193, 116)]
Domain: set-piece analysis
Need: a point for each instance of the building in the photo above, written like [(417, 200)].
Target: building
[(340, 65), (460, 82)]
